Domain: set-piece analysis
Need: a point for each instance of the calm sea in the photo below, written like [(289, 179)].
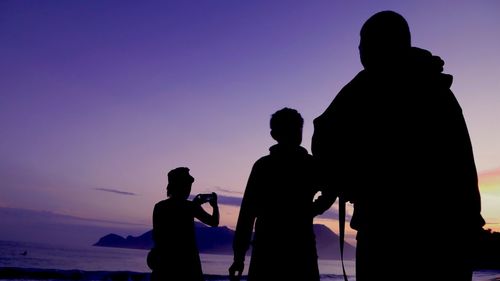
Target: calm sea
[(27, 256)]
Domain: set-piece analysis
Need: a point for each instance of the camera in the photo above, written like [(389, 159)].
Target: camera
[(205, 197)]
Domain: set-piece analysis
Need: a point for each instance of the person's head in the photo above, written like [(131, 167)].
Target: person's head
[(179, 183), (385, 38), (286, 126)]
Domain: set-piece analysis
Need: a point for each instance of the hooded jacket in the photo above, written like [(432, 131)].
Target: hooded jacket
[(395, 140)]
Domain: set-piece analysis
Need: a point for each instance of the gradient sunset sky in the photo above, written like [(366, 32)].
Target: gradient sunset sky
[(100, 99)]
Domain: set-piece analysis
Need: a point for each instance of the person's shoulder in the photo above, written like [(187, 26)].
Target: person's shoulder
[(352, 86), (428, 67), (344, 97), (262, 161), (161, 203), (262, 164)]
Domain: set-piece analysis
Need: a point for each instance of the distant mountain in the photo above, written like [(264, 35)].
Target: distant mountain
[(145, 241), (327, 244), (218, 240), (214, 240)]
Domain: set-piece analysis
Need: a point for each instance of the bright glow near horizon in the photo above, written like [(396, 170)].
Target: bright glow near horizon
[(100, 98)]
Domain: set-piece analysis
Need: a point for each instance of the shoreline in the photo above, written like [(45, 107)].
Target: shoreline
[(21, 273)]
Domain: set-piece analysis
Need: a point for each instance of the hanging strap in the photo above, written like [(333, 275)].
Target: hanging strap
[(342, 232)]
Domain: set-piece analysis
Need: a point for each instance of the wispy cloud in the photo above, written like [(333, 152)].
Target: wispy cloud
[(116, 191), (229, 200), (226, 190)]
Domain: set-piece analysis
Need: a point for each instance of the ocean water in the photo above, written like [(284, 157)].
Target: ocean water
[(51, 262)]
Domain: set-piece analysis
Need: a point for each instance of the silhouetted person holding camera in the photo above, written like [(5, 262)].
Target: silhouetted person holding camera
[(395, 143), (175, 255), (279, 199)]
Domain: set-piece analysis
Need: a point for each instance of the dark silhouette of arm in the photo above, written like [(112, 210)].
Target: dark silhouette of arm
[(330, 146), (324, 202), (206, 218), (457, 146), (246, 218), (245, 224), (464, 157), (328, 193)]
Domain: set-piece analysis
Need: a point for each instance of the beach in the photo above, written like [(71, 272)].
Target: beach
[(36, 261)]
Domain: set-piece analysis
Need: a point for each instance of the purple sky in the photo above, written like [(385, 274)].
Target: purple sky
[(99, 99)]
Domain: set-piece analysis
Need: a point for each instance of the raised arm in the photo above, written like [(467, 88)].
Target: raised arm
[(203, 216)]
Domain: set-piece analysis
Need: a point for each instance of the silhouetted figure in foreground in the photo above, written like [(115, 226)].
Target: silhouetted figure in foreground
[(279, 200), (396, 144), (176, 254)]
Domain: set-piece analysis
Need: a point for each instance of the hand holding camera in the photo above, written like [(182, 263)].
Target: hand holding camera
[(206, 197)]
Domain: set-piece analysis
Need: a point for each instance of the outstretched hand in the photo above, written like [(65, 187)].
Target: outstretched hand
[(235, 270)]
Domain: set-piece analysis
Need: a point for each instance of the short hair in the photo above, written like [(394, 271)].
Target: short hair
[(286, 118), (177, 178)]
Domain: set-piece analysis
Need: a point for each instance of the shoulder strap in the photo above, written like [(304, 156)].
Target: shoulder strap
[(342, 232)]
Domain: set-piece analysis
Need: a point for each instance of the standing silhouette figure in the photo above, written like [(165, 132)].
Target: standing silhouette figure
[(175, 254), (278, 199), (396, 145)]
